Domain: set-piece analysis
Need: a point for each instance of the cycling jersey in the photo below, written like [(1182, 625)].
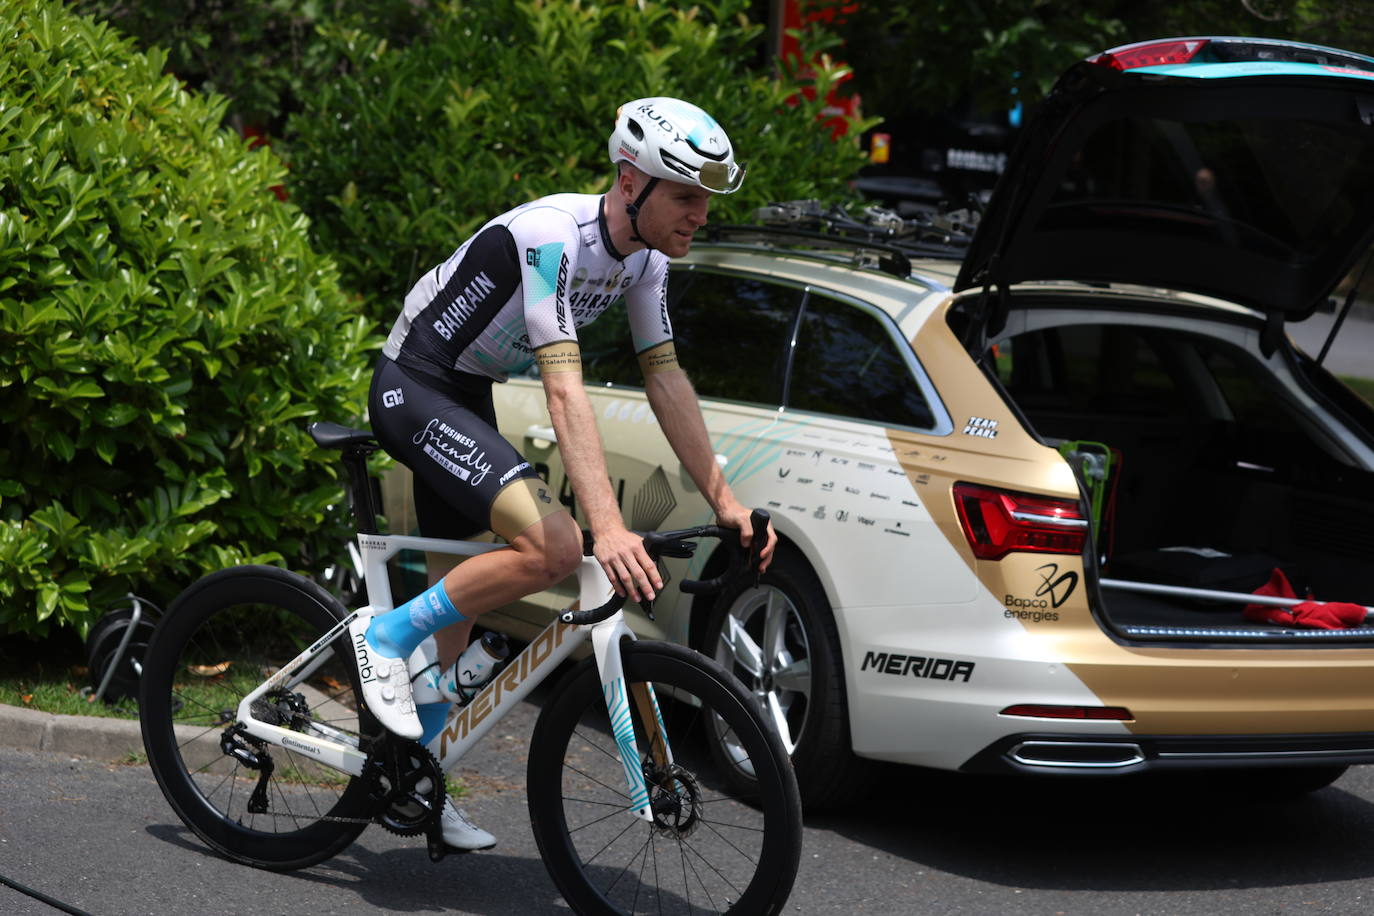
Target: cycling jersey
[(524, 282), (527, 279)]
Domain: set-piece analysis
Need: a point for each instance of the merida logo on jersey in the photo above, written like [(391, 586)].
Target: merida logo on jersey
[(463, 305), (560, 306)]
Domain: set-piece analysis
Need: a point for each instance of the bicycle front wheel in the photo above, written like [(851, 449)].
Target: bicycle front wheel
[(707, 849), (259, 804)]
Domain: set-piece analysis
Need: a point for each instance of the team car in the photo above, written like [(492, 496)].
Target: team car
[(1024, 484)]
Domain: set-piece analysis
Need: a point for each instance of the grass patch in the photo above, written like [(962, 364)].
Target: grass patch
[(1362, 386), (49, 674)]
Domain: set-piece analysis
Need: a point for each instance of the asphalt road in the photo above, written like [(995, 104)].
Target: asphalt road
[(100, 838)]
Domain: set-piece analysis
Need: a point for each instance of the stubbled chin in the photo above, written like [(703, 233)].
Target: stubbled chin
[(679, 245)]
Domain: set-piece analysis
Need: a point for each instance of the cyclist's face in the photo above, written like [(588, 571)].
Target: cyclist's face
[(673, 212)]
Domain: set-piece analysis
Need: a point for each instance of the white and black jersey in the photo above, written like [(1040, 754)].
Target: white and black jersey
[(527, 279)]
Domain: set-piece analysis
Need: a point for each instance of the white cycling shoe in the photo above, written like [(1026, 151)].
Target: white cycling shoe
[(386, 684), (461, 833)]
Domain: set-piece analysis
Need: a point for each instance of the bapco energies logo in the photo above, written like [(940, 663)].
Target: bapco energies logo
[(1055, 585)]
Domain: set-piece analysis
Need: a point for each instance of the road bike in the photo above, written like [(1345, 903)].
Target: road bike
[(654, 782)]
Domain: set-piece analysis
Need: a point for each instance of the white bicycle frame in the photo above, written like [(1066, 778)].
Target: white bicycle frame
[(468, 724)]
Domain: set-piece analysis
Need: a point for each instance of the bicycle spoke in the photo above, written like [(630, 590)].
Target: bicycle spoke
[(216, 644), (719, 854)]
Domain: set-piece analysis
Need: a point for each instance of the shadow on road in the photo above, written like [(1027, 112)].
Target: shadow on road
[(1122, 834), (403, 880)]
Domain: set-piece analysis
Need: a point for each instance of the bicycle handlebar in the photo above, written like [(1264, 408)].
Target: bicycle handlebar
[(683, 544)]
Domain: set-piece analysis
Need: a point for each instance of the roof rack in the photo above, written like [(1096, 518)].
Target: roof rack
[(878, 238)]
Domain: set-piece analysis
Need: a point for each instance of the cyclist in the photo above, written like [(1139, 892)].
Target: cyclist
[(511, 296)]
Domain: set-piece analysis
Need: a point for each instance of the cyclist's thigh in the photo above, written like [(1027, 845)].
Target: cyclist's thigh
[(462, 465)]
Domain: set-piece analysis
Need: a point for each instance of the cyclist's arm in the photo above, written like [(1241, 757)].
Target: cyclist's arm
[(679, 415), (620, 552)]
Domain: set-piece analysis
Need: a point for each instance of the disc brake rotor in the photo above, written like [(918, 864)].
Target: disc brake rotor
[(675, 799)]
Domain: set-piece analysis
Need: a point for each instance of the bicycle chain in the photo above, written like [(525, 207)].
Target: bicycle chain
[(396, 771), (384, 763)]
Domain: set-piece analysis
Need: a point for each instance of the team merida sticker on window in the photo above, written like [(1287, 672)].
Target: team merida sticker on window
[(981, 427)]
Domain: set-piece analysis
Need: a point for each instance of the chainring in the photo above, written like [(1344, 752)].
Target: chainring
[(407, 785)]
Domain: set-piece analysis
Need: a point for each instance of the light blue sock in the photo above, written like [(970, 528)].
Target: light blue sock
[(396, 633), (432, 719)]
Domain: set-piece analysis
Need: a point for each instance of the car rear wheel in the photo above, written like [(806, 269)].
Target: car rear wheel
[(779, 639)]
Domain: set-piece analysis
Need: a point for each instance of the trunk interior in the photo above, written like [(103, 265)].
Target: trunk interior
[(1217, 473)]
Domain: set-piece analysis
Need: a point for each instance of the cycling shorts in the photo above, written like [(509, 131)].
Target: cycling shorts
[(467, 477)]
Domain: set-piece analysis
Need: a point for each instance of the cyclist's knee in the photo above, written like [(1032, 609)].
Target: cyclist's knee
[(551, 549)]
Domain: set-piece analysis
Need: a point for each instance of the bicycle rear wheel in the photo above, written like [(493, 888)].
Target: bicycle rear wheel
[(707, 850), (217, 643)]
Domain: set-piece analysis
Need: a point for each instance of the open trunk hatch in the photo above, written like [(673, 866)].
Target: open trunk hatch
[(1248, 181)]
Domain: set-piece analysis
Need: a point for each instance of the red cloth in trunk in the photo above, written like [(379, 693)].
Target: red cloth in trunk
[(1319, 615)]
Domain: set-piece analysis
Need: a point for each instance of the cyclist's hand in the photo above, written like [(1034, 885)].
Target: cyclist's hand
[(737, 516), (629, 567)]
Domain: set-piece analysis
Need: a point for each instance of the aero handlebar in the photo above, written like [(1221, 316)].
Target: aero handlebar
[(683, 544)]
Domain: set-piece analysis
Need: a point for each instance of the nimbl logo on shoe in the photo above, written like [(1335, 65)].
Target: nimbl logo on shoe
[(364, 658)]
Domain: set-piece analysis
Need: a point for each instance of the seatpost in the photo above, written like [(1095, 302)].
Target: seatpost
[(360, 486)]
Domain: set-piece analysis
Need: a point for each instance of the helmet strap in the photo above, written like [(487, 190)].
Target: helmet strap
[(632, 210)]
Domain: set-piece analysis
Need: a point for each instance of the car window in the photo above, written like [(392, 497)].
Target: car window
[(847, 363), (731, 334), (1117, 370), (607, 354), (1271, 186), (1255, 398)]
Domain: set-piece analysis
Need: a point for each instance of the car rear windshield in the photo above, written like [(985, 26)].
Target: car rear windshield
[(1273, 187)]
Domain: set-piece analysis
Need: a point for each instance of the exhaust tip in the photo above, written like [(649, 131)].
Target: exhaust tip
[(1082, 754)]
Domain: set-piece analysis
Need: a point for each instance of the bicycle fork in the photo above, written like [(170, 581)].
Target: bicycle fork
[(607, 639)]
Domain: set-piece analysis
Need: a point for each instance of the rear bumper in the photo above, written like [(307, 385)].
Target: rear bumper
[(1081, 755)]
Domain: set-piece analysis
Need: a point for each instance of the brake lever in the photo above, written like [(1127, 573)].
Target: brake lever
[(677, 544), (758, 522)]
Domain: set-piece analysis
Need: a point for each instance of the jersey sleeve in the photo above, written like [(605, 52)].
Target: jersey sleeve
[(546, 240), (647, 304)]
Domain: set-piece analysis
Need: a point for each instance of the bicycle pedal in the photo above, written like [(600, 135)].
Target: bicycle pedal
[(438, 850)]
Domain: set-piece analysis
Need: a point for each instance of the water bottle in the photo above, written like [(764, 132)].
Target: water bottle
[(479, 663)]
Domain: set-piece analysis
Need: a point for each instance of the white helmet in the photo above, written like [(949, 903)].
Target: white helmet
[(676, 141)]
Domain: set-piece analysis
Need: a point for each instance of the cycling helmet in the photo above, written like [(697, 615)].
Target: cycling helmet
[(677, 141), (672, 140)]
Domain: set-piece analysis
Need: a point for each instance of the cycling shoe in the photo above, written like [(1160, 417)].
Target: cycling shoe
[(386, 684), (460, 832)]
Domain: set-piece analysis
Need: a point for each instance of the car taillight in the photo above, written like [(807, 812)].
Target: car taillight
[(997, 522), (1150, 54)]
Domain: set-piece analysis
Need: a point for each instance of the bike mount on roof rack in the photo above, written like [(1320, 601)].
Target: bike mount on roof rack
[(879, 238)]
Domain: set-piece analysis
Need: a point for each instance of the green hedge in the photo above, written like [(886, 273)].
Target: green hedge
[(505, 102), (166, 333)]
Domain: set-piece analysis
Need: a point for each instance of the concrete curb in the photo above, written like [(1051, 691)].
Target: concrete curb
[(99, 738)]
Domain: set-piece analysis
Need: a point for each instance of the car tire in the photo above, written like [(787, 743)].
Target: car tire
[(800, 687)]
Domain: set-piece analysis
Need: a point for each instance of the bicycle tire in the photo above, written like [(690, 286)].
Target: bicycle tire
[(214, 645), (708, 850)]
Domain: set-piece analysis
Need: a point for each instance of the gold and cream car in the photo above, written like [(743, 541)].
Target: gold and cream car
[(1022, 491)]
